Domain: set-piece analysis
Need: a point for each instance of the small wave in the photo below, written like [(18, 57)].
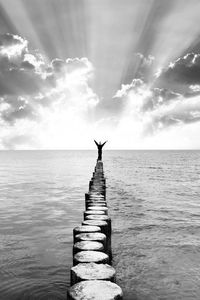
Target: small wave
[(142, 227), (21, 289), (154, 168)]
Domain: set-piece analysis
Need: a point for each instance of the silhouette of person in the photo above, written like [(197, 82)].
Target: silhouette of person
[(100, 146)]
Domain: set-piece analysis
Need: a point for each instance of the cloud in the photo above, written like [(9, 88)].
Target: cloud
[(135, 85), (150, 98), (35, 93), (182, 74), (140, 67), (19, 74), (158, 97), (12, 45), (179, 113), (145, 61), (71, 65), (50, 104), (144, 66), (172, 99), (154, 109), (13, 108)]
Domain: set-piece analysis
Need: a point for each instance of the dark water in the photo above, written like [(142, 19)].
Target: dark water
[(154, 204)]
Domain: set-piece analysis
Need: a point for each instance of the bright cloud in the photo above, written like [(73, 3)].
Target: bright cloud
[(45, 105), (151, 111), (50, 104), (12, 45)]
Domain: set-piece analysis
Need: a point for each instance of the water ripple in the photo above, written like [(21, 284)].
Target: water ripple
[(153, 199)]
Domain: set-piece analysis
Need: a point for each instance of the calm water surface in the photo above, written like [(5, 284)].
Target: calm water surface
[(154, 203)]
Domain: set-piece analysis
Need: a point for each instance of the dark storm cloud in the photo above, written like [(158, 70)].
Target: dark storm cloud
[(182, 73), (185, 69), (178, 89)]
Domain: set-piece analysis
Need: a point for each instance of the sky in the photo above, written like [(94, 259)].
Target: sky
[(126, 71)]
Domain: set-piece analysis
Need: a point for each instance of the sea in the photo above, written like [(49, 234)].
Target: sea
[(154, 203)]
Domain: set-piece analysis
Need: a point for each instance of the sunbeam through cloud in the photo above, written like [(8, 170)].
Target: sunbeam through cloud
[(74, 69)]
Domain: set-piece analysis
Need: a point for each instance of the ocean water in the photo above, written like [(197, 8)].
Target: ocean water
[(154, 204)]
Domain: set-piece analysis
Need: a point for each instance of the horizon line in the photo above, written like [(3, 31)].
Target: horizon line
[(175, 149)]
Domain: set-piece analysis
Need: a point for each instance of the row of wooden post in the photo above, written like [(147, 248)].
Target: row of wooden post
[(92, 274)]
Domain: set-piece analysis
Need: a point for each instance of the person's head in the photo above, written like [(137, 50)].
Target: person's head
[(99, 143)]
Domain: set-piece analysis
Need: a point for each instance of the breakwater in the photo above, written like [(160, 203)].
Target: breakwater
[(92, 274)]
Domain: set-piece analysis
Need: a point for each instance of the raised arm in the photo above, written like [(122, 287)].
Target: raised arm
[(96, 143), (104, 143)]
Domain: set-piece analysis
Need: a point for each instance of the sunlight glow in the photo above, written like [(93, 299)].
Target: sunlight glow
[(72, 71)]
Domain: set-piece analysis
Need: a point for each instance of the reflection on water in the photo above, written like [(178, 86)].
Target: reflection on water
[(155, 209)]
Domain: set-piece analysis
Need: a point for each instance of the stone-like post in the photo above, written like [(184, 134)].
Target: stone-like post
[(92, 276)]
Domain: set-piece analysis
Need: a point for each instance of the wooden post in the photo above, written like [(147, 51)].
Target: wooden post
[(92, 276)]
